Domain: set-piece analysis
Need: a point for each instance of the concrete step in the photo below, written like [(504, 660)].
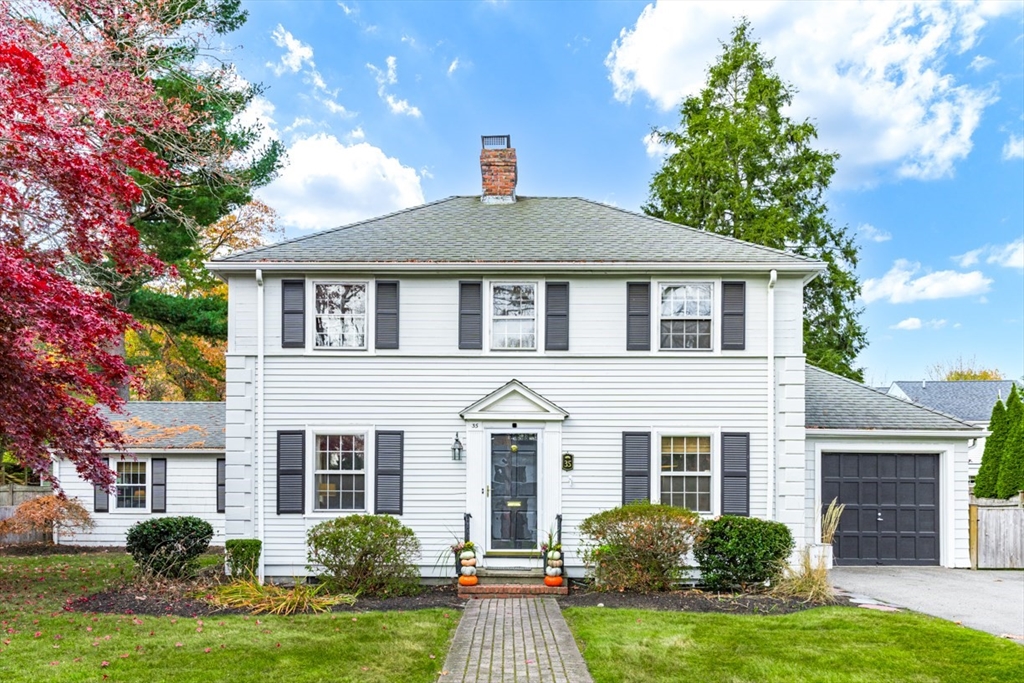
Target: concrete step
[(513, 576), (517, 590)]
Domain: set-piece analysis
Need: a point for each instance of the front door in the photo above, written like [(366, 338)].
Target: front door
[(513, 492)]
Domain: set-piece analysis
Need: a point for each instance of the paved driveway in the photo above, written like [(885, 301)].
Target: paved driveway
[(991, 601)]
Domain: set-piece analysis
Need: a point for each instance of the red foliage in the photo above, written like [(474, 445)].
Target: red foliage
[(75, 109)]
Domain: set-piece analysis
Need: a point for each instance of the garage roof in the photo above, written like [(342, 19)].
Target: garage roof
[(834, 402), (178, 425)]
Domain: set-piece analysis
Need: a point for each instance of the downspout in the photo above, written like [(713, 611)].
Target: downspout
[(258, 489), (771, 393)]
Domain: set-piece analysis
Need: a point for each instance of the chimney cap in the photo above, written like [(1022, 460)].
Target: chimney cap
[(496, 141)]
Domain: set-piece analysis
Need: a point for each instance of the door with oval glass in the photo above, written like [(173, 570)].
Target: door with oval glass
[(513, 492)]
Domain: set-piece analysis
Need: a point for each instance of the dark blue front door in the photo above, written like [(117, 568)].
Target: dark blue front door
[(513, 491)]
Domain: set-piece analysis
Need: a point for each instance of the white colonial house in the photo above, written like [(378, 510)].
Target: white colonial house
[(502, 365)]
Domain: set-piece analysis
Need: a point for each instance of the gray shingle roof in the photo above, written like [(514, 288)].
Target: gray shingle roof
[(972, 401), (531, 230), (173, 424), (834, 402)]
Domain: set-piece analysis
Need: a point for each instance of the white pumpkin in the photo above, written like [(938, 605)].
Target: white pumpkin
[(470, 571), (554, 555), (467, 555), (554, 571)]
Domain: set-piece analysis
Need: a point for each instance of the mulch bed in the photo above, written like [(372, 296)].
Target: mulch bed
[(137, 601), (690, 601), (446, 597), (41, 549)]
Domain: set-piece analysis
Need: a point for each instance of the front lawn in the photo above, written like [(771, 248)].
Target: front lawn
[(837, 645), (40, 641)]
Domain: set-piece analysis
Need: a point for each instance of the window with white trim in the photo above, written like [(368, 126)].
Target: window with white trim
[(686, 472), (339, 477), (514, 316), (340, 320), (131, 485), (686, 315)]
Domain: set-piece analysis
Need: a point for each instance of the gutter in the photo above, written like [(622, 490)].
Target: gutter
[(594, 267), (772, 278), (259, 484), (958, 434)]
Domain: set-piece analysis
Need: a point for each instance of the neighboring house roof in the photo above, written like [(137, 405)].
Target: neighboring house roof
[(971, 400), (180, 425), (530, 230), (834, 402)]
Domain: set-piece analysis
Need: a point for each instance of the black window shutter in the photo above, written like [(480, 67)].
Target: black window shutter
[(386, 324), (291, 469), (556, 322), (638, 316), (388, 451), (221, 485), (734, 311), (159, 484), (471, 315), (736, 474), (100, 498), (293, 314), (636, 466)]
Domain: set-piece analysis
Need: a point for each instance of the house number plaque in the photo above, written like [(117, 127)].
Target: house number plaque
[(567, 462)]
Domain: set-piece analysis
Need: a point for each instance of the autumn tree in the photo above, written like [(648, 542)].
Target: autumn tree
[(963, 370), (740, 167), (988, 471)]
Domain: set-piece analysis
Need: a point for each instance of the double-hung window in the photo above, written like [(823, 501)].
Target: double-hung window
[(686, 472), (131, 485), (340, 315), (339, 481), (686, 316), (514, 316)]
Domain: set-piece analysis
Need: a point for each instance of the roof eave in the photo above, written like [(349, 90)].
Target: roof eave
[(809, 268), (899, 433)]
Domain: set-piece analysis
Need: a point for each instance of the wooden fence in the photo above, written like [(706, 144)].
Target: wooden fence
[(997, 533), (13, 495)]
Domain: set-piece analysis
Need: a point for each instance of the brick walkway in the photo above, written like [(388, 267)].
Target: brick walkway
[(514, 640)]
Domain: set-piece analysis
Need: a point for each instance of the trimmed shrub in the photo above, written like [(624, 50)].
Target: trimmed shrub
[(365, 555), (169, 546), (1011, 464), (742, 551), (988, 473), (641, 546), (243, 555)]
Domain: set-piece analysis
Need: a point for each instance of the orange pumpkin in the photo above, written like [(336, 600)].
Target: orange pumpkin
[(554, 581), (469, 580)]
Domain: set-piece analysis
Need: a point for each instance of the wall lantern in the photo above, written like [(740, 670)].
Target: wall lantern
[(457, 448)]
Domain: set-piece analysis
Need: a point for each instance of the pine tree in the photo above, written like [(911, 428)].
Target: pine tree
[(1011, 464), (988, 473)]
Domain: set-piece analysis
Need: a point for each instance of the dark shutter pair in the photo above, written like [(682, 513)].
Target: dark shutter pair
[(389, 455), (293, 314), (734, 470), (556, 316), (157, 488), (638, 316)]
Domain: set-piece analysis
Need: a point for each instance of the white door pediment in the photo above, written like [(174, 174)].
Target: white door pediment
[(514, 401)]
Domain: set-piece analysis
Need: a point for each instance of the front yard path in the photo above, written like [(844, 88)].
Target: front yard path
[(514, 640)]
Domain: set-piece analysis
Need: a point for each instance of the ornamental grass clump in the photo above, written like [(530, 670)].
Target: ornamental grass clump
[(742, 552), (808, 581), (641, 546), (365, 555), (270, 598)]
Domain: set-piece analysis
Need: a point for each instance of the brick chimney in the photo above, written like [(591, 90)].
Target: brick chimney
[(498, 169)]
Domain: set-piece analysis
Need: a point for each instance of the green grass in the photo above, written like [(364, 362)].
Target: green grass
[(834, 645), (41, 642)]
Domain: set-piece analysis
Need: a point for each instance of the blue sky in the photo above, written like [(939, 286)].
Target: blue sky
[(381, 106)]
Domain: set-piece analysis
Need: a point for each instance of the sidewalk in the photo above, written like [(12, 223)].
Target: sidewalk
[(514, 640)]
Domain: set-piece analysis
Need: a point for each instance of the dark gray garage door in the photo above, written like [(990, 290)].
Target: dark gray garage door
[(892, 506)]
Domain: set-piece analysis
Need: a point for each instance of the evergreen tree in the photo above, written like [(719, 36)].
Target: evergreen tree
[(741, 168), (988, 473), (1011, 464)]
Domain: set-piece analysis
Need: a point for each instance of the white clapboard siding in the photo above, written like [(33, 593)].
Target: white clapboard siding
[(191, 490)]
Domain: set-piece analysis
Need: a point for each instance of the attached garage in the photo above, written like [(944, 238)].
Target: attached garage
[(892, 506), (900, 469)]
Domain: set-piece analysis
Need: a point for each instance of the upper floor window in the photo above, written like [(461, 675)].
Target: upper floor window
[(340, 472), (686, 472), (686, 315), (514, 316), (131, 485), (340, 315)]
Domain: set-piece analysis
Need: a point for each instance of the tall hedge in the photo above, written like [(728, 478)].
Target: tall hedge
[(1011, 464), (988, 474)]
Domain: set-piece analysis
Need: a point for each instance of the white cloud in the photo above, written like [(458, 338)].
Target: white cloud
[(1014, 148), (387, 78), (328, 183), (871, 74), (656, 147), (346, 9), (453, 66), (1007, 255), (356, 134), (980, 62), (299, 122), (296, 53), (398, 106), (873, 234), (917, 324), (336, 108), (968, 259), (900, 286)]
